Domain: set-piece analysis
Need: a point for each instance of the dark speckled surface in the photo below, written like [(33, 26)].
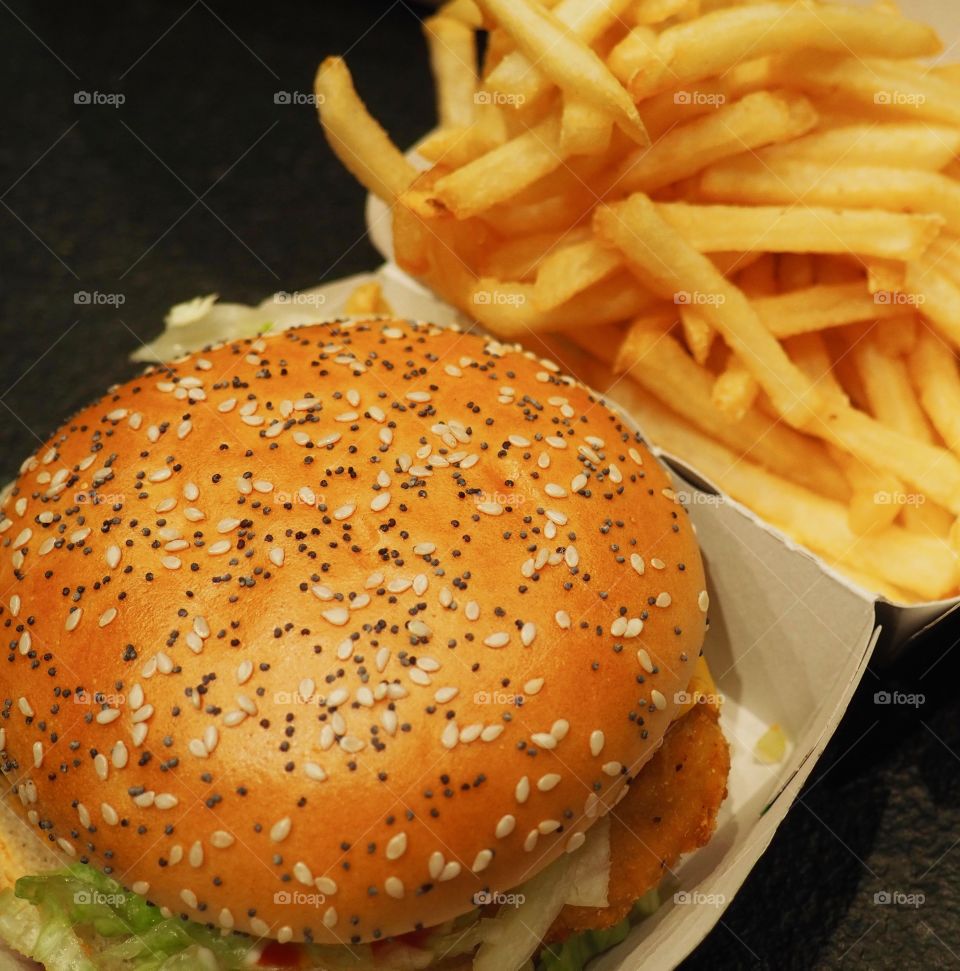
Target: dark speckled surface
[(201, 183)]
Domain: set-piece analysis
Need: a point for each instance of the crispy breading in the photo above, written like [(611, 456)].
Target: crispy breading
[(671, 809)]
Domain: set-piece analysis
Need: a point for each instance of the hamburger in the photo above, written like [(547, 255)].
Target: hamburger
[(361, 645)]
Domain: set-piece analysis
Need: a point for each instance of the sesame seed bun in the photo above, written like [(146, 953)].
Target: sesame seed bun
[(321, 634)]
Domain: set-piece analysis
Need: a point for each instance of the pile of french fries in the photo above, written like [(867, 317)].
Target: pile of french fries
[(742, 219)]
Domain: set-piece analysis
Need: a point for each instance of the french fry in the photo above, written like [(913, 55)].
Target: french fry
[(802, 229), (519, 257), (674, 268), (453, 59), (910, 145), (551, 214), (868, 484), (932, 470), (367, 299), (568, 270), (937, 295), (503, 172), (760, 278), (880, 86), (585, 129), (566, 60), (840, 268), (896, 335), (735, 390), (356, 138), (889, 391), (509, 310), (731, 263), (933, 369), (711, 45), (795, 271), (636, 44), (871, 506), (870, 187), (923, 565), (645, 12), (656, 361), (886, 276), (698, 333), (466, 11), (757, 119), (822, 306), (515, 75)]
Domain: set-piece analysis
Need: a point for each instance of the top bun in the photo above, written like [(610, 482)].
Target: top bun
[(318, 635)]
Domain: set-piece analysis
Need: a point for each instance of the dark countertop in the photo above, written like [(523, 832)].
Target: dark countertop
[(199, 182)]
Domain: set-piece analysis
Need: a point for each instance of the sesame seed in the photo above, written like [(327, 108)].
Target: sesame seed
[(597, 741), (393, 886), (280, 830), (505, 826), (575, 842), (397, 846)]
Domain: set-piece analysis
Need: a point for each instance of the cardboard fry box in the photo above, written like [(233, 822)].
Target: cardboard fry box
[(788, 643)]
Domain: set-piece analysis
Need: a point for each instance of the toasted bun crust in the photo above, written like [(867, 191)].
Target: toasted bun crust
[(320, 634)]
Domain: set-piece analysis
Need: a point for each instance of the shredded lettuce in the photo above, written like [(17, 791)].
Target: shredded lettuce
[(578, 950), (79, 919), (574, 953)]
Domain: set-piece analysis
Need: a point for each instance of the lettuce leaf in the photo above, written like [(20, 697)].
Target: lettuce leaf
[(79, 919), (574, 953), (578, 950)]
